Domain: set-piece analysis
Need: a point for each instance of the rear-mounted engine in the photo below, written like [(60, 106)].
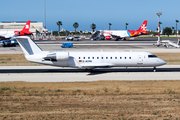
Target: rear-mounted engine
[(58, 56)]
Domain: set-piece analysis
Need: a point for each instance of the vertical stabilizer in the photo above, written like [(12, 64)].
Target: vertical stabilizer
[(26, 27), (143, 26), (28, 46)]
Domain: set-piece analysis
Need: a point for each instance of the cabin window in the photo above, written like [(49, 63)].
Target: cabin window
[(111, 57), (101, 57), (129, 57), (92, 57), (88, 57), (115, 57), (97, 57), (79, 57), (106, 57), (152, 56), (84, 57), (124, 57), (120, 57)]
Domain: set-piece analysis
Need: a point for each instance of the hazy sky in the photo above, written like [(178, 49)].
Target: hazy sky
[(99, 12)]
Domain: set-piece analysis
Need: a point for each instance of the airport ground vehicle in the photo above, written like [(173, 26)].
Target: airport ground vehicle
[(5, 43), (14, 42), (72, 38), (69, 38), (76, 38), (67, 45), (8, 43)]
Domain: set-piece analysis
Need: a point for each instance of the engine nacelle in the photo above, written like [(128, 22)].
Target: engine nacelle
[(58, 56), (108, 37), (62, 55)]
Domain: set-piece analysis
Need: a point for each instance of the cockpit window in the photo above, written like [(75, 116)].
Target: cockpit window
[(152, 56)]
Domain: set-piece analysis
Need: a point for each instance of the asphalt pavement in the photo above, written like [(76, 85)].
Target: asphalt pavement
[(59, 74)]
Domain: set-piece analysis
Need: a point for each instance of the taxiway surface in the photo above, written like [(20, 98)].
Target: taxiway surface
[(56, 74), (142, 44)]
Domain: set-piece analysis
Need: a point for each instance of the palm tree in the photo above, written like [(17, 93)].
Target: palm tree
[(93, 26), (75, 25), (173, 30), (176, 26), (59, 23), (110, 26), (127, 25)]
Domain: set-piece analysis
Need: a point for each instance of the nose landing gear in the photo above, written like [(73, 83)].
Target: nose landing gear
[(154, 69)]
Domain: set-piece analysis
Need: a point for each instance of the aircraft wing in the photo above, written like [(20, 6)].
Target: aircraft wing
[(5, 36), (94, 65)]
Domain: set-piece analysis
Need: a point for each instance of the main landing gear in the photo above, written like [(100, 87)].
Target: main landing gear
[(154, 69), (89, 70)]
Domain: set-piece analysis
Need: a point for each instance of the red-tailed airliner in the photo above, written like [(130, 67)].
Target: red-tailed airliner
[(122, 34), (10, 34)]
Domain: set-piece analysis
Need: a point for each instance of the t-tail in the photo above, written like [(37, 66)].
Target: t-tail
[(28, 46)]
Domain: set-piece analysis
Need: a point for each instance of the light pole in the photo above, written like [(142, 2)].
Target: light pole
[(45, 18), (159, 40), (44, 14)]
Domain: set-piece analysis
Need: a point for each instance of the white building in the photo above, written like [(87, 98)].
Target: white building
[(18, 26)]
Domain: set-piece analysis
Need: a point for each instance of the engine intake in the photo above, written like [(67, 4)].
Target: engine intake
[(58, 56)]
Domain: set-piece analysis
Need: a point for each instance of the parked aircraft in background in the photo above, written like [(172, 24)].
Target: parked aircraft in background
[(10, 34), (121, 34), (87, 60)]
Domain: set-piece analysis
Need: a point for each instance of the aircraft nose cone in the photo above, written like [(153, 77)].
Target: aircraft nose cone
[(162, 62)]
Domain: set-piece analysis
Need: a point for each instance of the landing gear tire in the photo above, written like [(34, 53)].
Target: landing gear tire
[(89, 70), (154, 69), (124, 39)]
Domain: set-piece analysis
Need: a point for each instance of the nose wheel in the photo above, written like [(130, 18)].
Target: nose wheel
[(154, 69)]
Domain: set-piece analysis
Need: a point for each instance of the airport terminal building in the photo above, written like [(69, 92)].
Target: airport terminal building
[(18, 26)]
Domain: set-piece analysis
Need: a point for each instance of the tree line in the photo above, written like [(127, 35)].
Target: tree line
[(166, 31), (171, 30), (76, 25)]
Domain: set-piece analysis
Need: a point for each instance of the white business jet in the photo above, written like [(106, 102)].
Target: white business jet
[(87, 60)]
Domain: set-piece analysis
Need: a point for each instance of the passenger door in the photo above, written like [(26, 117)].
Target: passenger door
[(140, 60)]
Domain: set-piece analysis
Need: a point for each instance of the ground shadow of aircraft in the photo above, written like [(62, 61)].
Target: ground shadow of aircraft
[(94, 72)]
